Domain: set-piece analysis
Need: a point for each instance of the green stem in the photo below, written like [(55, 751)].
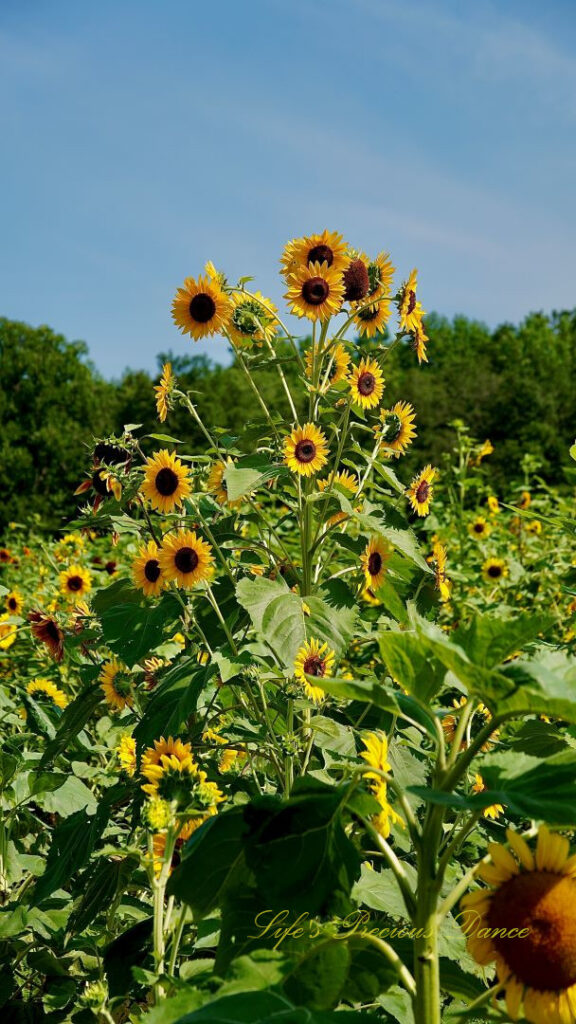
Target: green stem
[(426, 961), (176, 940), (288, 761)]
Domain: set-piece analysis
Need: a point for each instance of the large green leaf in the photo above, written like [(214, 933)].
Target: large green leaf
[(132, 629), (408, 660), (248, 474), (489, 639), (173, 701), (545, 685), (215, 854), (368, 691), (250, 1008), (73, 721), (256, 594)]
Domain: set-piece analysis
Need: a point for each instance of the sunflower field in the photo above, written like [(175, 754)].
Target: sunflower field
[(289, 735)]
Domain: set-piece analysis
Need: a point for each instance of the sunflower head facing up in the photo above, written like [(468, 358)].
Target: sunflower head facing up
[(315, 291), (166, 481), (372, 320), (117, 685), (327, 247), (367, 384), (146, 571), (306, 450), (397, 429), (186, 558), (254, 319), (374, 561), (525, 923), (313, 659), (494, 570), (201, 308), (421, 491), (75, 582), (217, 486), (479, 528), (45, 689)]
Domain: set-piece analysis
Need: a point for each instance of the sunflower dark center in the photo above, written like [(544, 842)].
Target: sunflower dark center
[(374, 563), (356, 281), (392, 427), (202, 308), (494, 571), (186, 559), (75, 583), (110, 453), (422, 491), (51, 631), (478, 527), (12, 603), (315, 291), (305, 450), (315, 666), (166, 482), (366, 383), (543, 903), (321, 254), (152, 570), (411, 302)]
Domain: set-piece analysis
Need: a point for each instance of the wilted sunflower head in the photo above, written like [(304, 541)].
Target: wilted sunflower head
[(355, 278), (46, 629)]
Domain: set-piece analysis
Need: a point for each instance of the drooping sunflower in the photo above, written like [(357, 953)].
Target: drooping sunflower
[(46, 688), (335, 365), (371, 320), (374, 561), (8, 632), (367, 383), (201, 308), (479, 528), (421, 491), (494, 570), (186, 558), (327, 247), (126, 753), (254, 319), (524, 923), (376, 755), (313, 659), (315, 291), (216, 484), (306, 450), (146, 571), (164, 391), (75, 582), (380, 274), (14, 602), (494, 810), (166, 481), (397, 428), (410, 311), (443, 584), (116, 683), (419, 339), (47, 631)]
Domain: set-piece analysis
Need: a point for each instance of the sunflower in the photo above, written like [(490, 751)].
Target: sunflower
[(217, 485), (14, 602), (397, 430), (380, 274), (410, 311), (201, 308), (349, 481), (254, 319), (421, 491), (146, 571), (525, 924), (328, 247), (443, 584), (186, 558), (525, 500), (535, 527), (367, 384), (355, 278), (495, 810), (336, 365), (494, 570), (47, 689), (47, 630), (126, 753), (75, 582), (116, 684), (172, 774), (164, 391), (8, 632), (313, 659), (376, 755), (371, 320), (493, 504), (166, 481), (419, 339), (486, 449), (306, 450), (315, 291), (479, 528), (5, 556), (374, 561)]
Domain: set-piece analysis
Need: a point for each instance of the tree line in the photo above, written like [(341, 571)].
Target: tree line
[(513, 385)]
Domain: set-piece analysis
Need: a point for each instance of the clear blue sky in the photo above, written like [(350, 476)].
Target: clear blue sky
[(142, 137)]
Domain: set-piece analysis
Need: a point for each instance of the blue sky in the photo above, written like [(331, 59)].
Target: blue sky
[(142, 137)]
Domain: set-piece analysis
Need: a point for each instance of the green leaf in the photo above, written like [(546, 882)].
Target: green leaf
[(250, 1008), (72, 844), (488, 640), (256, 594), (283, 627), (107, 879), (214, 853), (173, 701), (368, 691), (132, 630), (72, 722), (248, 474), (127, 951), (408, 660), (546, 686), (73, 795)]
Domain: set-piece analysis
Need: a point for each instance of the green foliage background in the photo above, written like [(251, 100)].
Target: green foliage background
[(512, 384)]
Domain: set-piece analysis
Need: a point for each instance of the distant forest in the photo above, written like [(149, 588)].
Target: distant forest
[(514, 385)]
